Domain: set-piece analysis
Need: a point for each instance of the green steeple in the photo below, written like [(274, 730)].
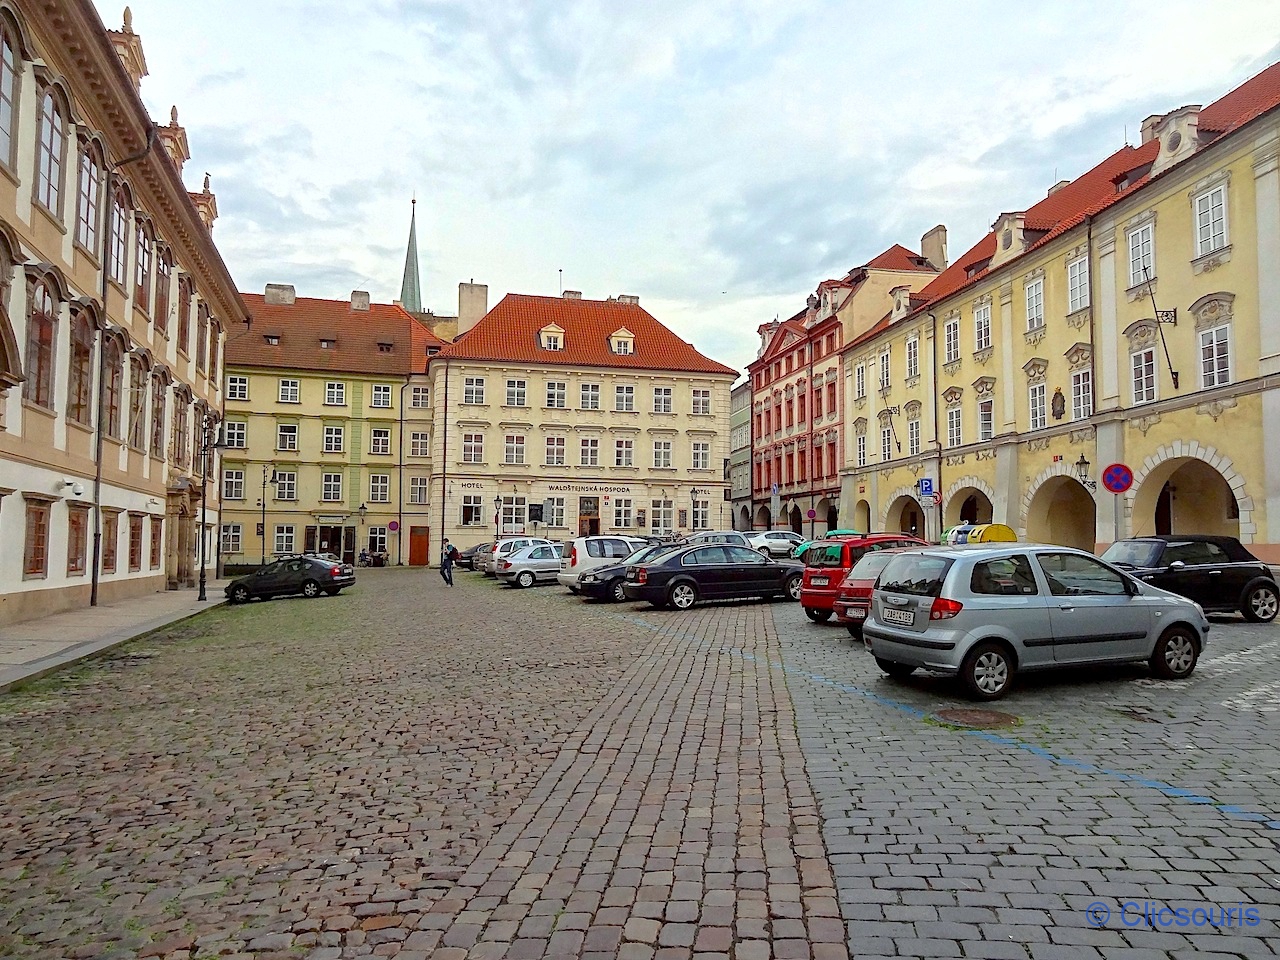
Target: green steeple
[(411, 286)]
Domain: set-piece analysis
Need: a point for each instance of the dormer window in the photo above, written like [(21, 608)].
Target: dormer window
[(327, 344), (273, 340), (384, 348), (622, 342), (551, 337), (432, 351)]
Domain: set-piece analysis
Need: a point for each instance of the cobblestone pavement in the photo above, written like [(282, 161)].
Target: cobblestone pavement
[(413, 771), (1028, 842)]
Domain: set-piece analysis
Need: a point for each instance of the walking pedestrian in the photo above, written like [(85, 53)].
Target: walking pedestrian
[(448, 554)]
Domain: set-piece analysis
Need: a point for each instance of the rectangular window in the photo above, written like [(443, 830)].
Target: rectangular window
[(473, 448), (286, 485), (557, 394), (380, 441), (951, 337), (661, 517), (110, 541), (623, 453), (555, 451), (982, 327), (157, 542), (913, 437), (377, 539), (77, 539), (661, 399), (1082, 395), (624, 398), (886, 444), (513, 514), (589, 455), (1215, 357), (237, 388), (1143, 364), (418, 487), (334, 438), (701, 456), (884, 370), (287, 436), (986, 419), (1035, 304), (516, 392), (233, 484), (420, 398), (284, 539), (472, 510), (331, 487), (860, 389), (513, 448), (1039, 417), (913, 358), (232, 538), (135, 543), (381, 396), (1142, 264), (1077, 284), (701, 516), (590, 393), (473, 390), (379, 487), (35, 555), (419, 444), (289, 392), (862, 454), (701, 401), (817, 408), (662, 453), (954, 434), (831, 399), (622, 515), (87, 221), (335, 394), (1211, 220), (235, 434)]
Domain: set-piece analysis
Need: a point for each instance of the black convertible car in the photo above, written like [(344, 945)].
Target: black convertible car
[(1216, 572), (718, 571), (309, 576)]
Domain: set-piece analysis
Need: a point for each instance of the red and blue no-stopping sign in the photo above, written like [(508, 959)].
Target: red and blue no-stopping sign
[(1117, 478)]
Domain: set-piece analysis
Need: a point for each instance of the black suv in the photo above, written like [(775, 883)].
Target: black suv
[(1216, 572), (309, 576)]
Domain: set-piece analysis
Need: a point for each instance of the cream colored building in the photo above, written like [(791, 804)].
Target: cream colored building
[(590, 409), (102, 408)]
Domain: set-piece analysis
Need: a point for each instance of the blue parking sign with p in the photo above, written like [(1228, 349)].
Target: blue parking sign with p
[(926, 486)]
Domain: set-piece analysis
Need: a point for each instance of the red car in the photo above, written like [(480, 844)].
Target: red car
[(826, 563), (854, 599)]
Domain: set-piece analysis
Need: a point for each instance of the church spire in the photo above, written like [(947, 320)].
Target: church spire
[(411, 286)]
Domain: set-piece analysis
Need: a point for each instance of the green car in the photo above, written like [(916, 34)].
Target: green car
[(803, 545)]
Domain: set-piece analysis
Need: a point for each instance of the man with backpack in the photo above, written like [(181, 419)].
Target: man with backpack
[(448, 554)]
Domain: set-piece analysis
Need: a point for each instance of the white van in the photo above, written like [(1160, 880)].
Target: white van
[(587, 553), (506, 547)]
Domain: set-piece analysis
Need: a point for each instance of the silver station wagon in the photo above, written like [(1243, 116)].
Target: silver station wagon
[(983, 613)]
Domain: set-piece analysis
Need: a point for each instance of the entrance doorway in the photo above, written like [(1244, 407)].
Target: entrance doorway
[(906, 515), (1063, 512), (588, 516), (419, 546)]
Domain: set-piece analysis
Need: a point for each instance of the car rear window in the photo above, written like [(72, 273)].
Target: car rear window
[(869, 567), (825, 555), (916, 574)]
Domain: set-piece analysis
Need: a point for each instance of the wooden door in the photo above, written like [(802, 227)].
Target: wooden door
[(419, 546)]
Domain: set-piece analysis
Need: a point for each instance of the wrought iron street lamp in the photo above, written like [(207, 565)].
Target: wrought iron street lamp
[(263, 503), (210, 439), (497, 514), (1082, 474)]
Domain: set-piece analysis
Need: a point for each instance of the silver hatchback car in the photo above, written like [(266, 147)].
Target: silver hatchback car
[(985, 612), (526, 566)]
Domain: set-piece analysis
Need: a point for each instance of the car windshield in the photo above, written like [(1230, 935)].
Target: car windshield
[(917, 574), (1133, 553), (824, 555), (869, 567)]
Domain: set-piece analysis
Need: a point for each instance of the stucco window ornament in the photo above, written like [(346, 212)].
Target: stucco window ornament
[(912, 409), (951, 396), (1141, 333), (1083, 435), (1213, 310), (952, 368), (1074, 253), (1211, 261), (1079, 355), (1078, 319), (1033, 337), (860, 426), (1216, 408), (984, 386), (860, 402), (955, 459), (982, 301), (1146, 423), (1033, 275), (983, 356), (985, 454), (1036, 368), (911, 382), (885, 416), (1037, 444)]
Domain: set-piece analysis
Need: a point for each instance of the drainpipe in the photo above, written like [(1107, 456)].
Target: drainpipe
[(400, 480), (809, 417), (937, 440), (110, 208), (444, 453)]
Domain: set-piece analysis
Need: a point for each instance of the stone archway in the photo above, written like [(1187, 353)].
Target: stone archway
[(795, 519), (764, 519), (1061, 511), (1220, 504), (905, 514), (862, 516), (743, 519), (969, 500)]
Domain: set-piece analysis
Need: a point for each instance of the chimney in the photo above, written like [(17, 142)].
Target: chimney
[(473, 304), (933, 246), (1149, 126), (630, 298), (572, 294), (280, 294), (360, 300), (1057, 186)]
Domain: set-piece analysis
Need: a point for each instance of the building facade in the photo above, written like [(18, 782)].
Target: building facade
[(1130, 317), (740, 455), (590, 412), (328, 431), (114, 308)]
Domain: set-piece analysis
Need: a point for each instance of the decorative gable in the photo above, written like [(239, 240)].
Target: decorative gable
[(551, 337)]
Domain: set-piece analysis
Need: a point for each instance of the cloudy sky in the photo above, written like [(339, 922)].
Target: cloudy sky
[(718, 158)]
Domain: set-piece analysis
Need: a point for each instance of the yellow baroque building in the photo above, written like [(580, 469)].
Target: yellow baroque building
[(1131, 317)]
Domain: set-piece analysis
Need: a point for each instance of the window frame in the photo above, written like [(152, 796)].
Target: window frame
[(556, 450), (330, 487), (621, 392), (700, 455), (589, 396), (517, 392), (1037, 406), (982, 326), (589, 445), (1033, 292), (624, 452), (1220, 377), (951, 339), (1142, 259), (955, 427), (52, 129), (700, 404), (335, 393), (1154, 376), (233, 483), (238, 381), (986, 420), (289, 390), (380, 441), (334, 439), (1205, 241), (1082, 394), (286, 430), (473, 448), (513, 448), (1078, 284), (380, 391), (379, 488), (557, 395), (473, 391)]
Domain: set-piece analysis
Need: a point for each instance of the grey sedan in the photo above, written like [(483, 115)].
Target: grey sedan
[(530, 565), (986, 612)]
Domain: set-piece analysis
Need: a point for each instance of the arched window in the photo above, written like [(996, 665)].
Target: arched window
[(10, 59), (42, 325), (142, 274), (51, 150), (202, 336), (159, 390), (114, 385), (80, 379), (137, 401), (87, 198), (184, 314), (215, 337), (164, 273)]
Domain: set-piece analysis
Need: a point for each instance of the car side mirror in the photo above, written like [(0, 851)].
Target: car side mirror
[(1177, 565)]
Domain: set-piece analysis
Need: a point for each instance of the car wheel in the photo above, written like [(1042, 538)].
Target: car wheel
[(1261, 604), (855, 631), (817, 616), (1176, 654), (310, 589), (898, 671), (793, 587), (240, 594), (764, 552), (525, 579), (987, 671), (616, 591), (683, 596)]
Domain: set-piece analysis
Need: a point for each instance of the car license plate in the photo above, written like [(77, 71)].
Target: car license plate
[(904, 617), (858, 613), (820, 581)]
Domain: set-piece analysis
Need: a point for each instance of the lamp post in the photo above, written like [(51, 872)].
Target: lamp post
[(497, 514), (263, 503), (1082, 474), (209, 440)]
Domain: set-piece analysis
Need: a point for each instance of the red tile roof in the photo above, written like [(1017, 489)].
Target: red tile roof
[(1251, 99), (356, 335), (899, 257), (509, 332)]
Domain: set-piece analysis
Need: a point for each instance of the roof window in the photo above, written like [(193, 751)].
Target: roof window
[(385, 347), (327, 344), (551, 337), (273, 339), (622, 342)]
